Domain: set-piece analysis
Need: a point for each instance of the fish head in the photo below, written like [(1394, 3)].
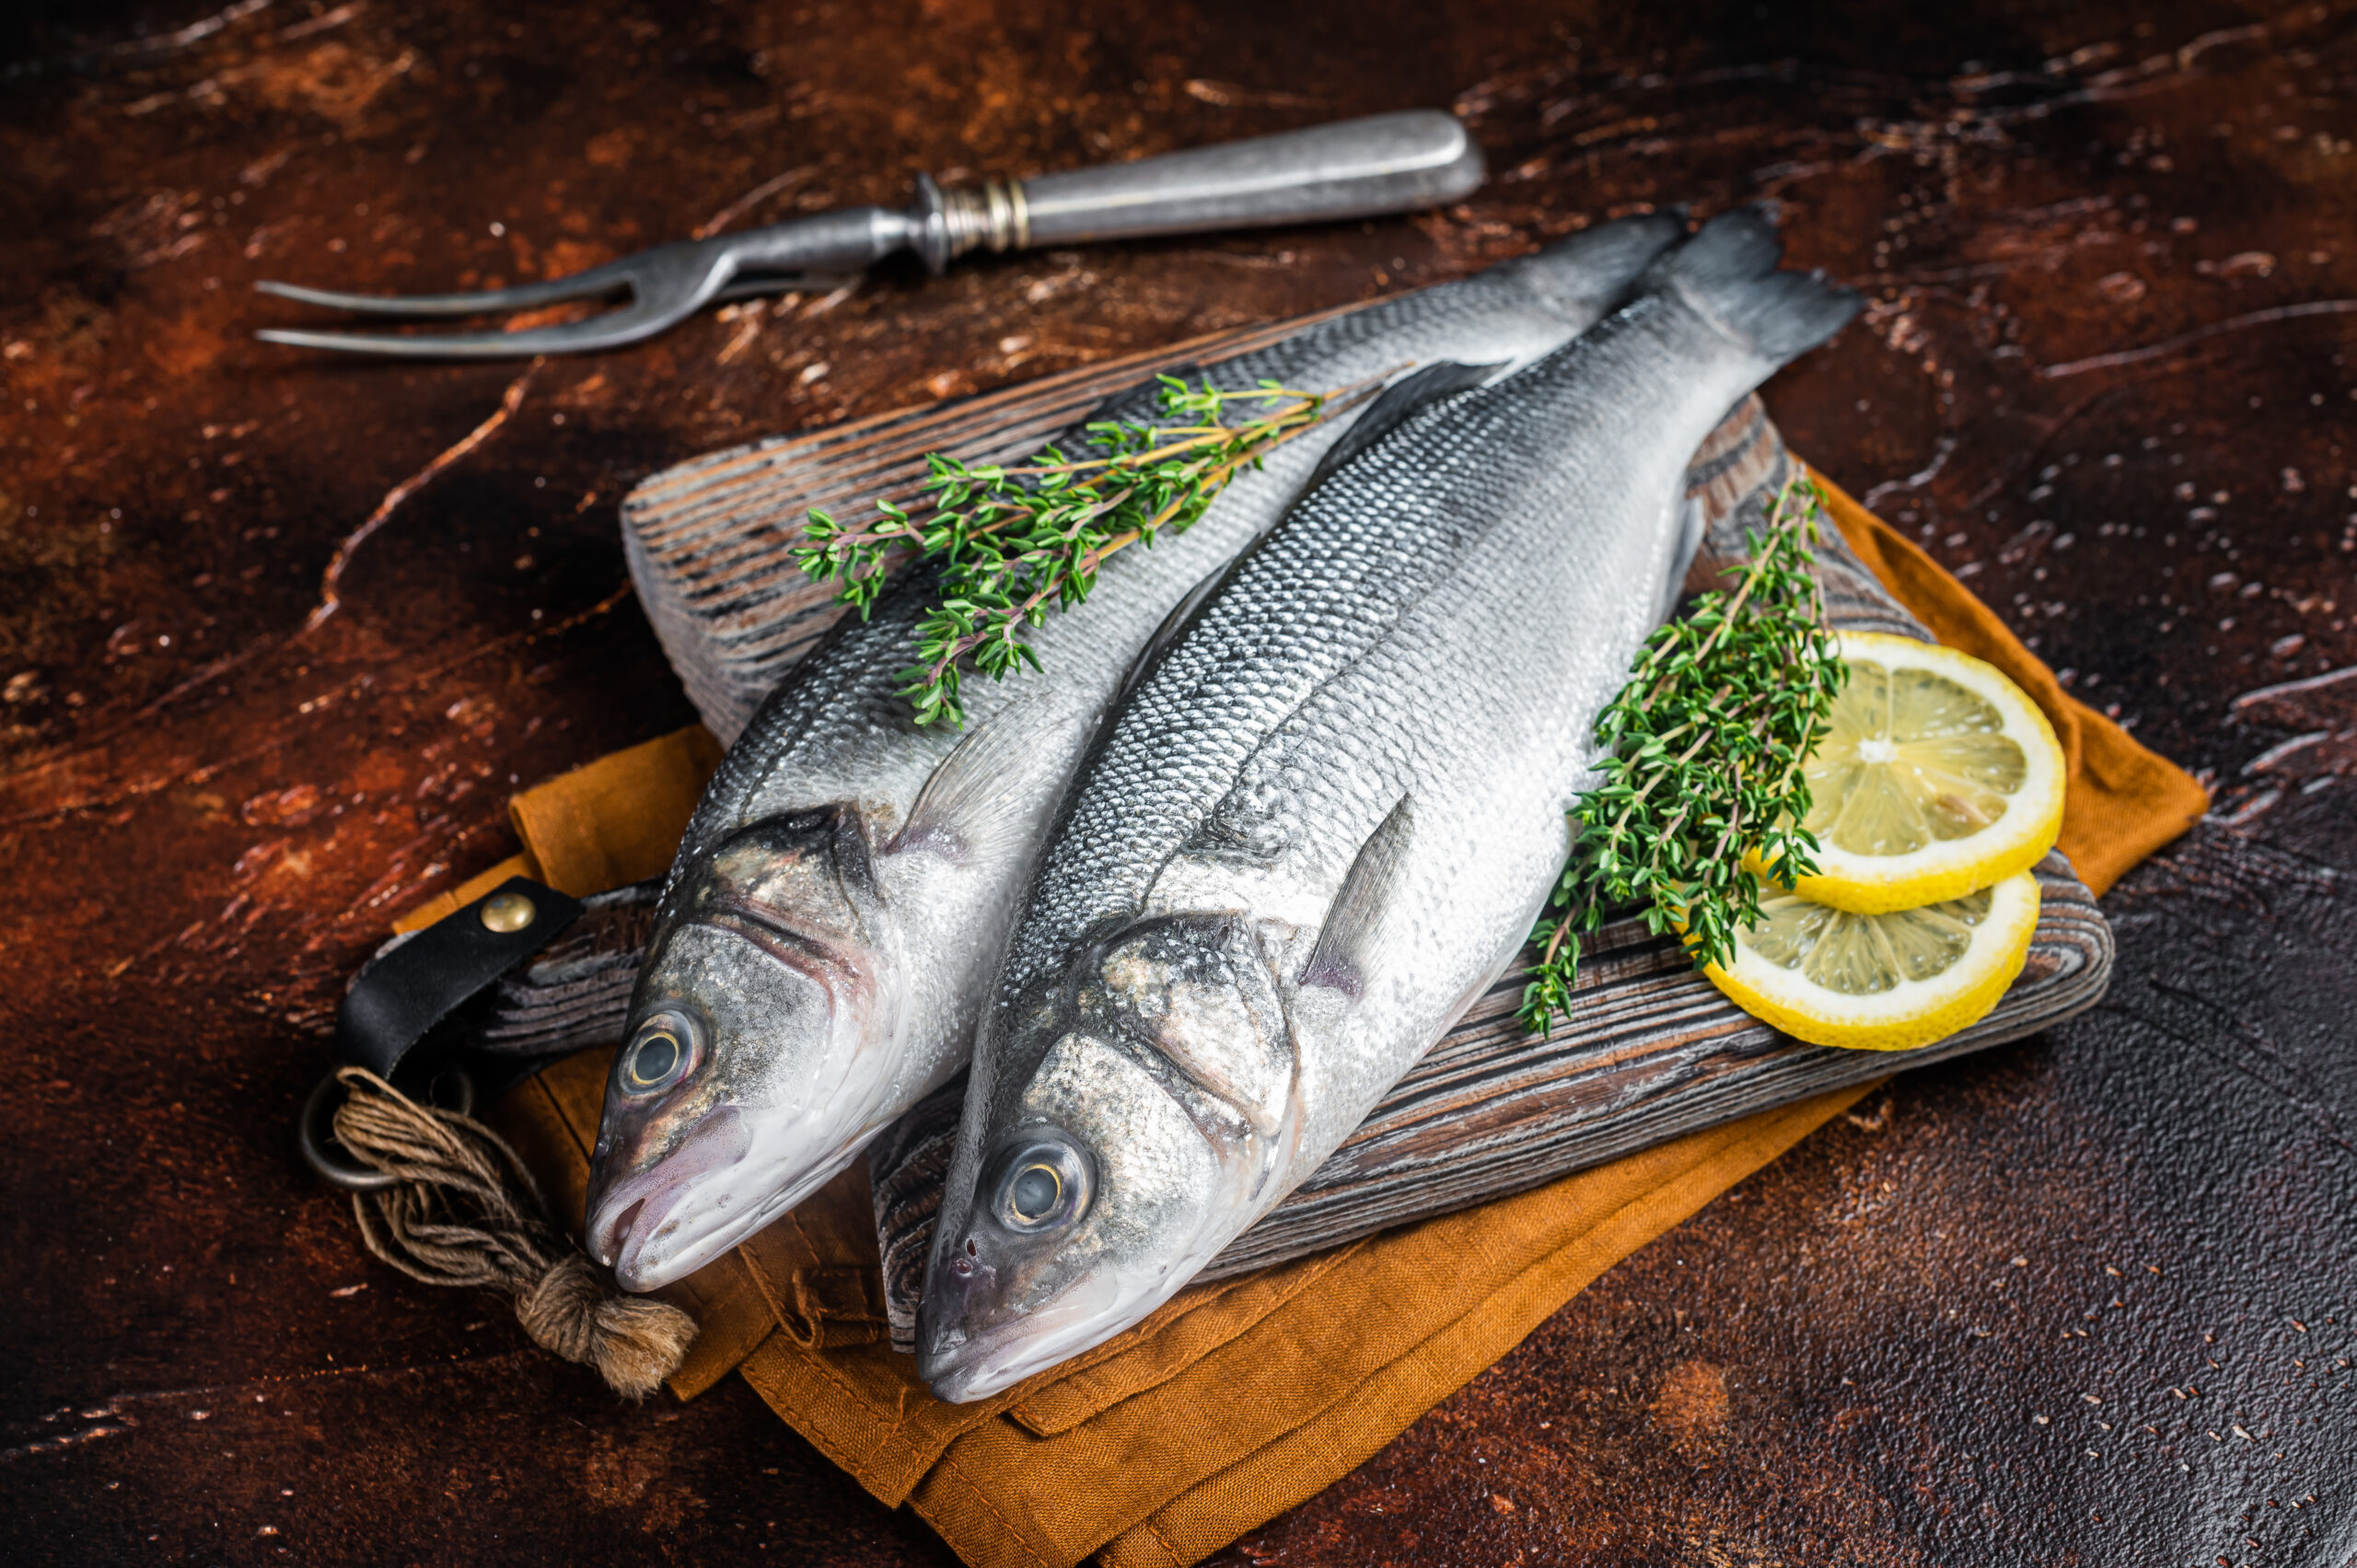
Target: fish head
[(1136, 1121), (760, 1045)]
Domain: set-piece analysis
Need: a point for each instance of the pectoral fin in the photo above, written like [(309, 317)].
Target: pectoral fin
[(1346, 940), (987, 794)]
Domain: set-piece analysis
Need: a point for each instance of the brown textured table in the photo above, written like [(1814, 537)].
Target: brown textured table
[(278, 633)]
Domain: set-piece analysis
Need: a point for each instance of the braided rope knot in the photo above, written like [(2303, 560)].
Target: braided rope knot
[(463, 1210)]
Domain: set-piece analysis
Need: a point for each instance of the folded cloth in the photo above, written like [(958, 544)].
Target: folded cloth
[(1240, 1399)]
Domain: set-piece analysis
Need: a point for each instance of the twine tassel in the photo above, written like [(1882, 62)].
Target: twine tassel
[(465, 1212)]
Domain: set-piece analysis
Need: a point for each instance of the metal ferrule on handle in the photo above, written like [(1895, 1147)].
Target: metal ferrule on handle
[(993, 216)]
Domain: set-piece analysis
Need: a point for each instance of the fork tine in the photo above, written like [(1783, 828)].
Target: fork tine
[(612, 329), (524, 296), (611, 278), (667, 284)]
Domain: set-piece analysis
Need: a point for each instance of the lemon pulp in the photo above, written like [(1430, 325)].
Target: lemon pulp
[(1863, 954), (1886, 981), (1937, 777), (1912, 758)]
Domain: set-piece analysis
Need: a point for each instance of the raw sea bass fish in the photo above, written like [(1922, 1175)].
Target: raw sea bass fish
[(1324, 816), (845, 888)]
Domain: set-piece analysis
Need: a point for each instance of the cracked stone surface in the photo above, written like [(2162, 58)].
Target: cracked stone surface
[(279, 633)]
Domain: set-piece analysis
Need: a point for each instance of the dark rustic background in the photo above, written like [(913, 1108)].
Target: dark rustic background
[(278, 633)]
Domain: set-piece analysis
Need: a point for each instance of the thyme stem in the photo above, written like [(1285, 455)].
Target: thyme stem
[(1017, 542), (1704, 749)]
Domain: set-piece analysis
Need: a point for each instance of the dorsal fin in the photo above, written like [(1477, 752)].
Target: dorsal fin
[(1399, 400), (1339, 960), (1172, 623)]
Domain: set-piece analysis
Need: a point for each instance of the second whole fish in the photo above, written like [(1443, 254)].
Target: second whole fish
[(1324, 815), (843, 891)]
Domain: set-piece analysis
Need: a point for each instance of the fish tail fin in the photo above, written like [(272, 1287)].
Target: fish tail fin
[(1596, 268), (1728, 272)]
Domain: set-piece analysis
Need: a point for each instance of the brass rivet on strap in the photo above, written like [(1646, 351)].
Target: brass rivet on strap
[(508, 914)]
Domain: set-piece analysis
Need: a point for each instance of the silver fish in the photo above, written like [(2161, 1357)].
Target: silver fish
[(841, 896), (1327, 812)]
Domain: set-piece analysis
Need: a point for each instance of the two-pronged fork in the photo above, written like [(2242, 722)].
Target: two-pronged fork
[(1352, 169)]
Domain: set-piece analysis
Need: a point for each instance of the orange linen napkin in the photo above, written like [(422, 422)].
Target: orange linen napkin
[(1240, 1399)]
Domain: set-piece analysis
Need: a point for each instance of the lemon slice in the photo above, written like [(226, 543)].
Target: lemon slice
[(1939, 777), (1880, 982)]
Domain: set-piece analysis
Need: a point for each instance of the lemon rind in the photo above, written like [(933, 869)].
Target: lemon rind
[(1889, 1023), (1936, 885), (1873, 885)]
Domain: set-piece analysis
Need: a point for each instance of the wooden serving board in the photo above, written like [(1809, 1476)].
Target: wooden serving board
[(1649, 1050), (707, 539)]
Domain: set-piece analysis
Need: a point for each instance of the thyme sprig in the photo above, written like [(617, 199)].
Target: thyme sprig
[(1703, 749), (1018, 542)]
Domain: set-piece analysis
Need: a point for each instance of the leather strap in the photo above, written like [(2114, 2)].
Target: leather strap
[(401, 998), (401, 995)]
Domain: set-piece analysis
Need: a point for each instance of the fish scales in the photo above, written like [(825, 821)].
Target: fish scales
[(1328, 814), (838, 724), (1258, 694), (841, 893)]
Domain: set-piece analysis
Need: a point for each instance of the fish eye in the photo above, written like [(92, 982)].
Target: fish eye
[(1034, 1192), (1044, 1182), (659, 1055)]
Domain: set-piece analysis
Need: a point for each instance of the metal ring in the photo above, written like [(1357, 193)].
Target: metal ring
[(1000, 209), (315, 1133), (459, 1096)]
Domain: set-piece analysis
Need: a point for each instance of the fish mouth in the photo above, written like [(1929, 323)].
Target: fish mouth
[(663, 1223), (651, 1231), (962, 1367)]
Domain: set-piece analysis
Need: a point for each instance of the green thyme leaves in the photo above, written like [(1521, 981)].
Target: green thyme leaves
[(1703, 761), (1018, 542)]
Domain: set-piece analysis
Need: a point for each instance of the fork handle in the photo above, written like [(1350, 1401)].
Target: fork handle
[(1386, 163)]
